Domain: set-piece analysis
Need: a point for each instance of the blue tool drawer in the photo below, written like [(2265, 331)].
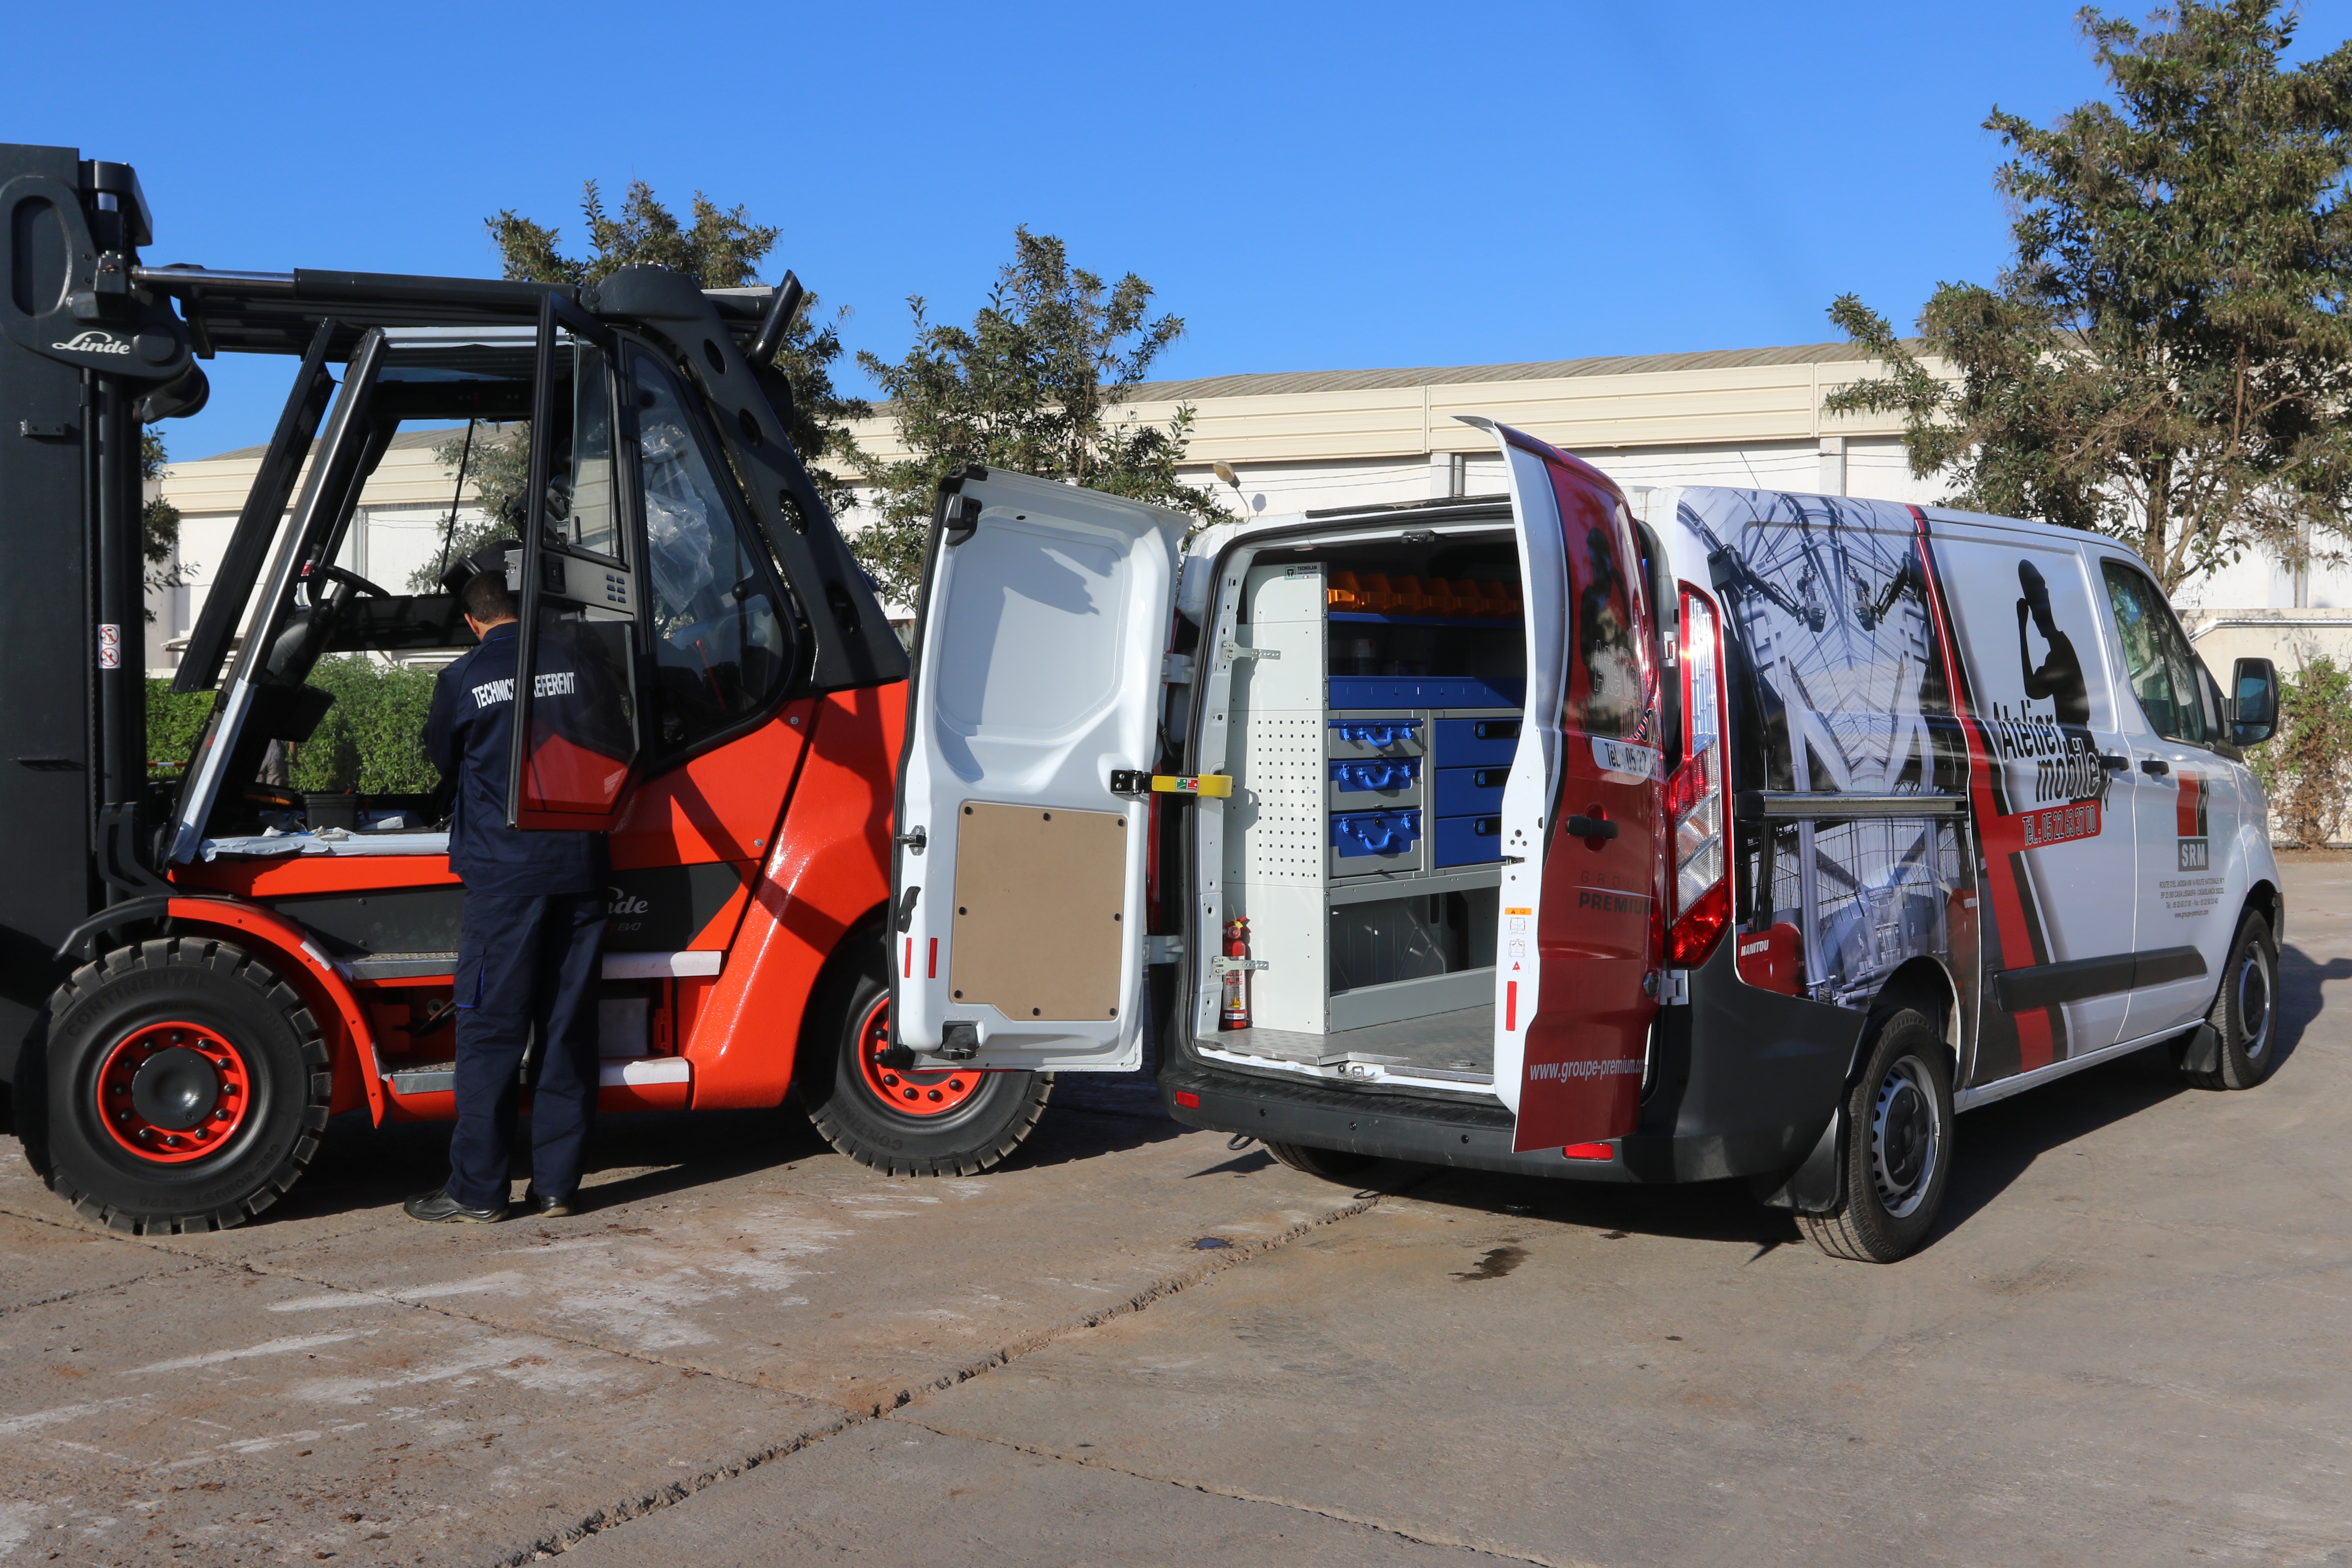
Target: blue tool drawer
[(1461, 791), (1464, 741), (1364, 842), (1379, 735), (1369, 784), (1468, 840)]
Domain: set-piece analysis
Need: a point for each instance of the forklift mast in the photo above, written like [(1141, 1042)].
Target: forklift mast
[(88, 358)]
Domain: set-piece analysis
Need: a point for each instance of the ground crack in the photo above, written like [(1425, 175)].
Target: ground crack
[(1382, 1526), (678, 1492)]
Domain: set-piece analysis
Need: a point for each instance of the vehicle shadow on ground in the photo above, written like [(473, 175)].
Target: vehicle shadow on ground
[(2301, 995), (1701, 1211)]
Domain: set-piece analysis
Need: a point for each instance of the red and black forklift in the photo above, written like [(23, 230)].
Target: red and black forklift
[(194, 974)]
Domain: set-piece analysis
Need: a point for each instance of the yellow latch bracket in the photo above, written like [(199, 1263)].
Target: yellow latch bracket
[(1134, 783)]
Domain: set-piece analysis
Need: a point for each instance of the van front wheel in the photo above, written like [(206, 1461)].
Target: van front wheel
[(1898, 1147), (2245, 1015)]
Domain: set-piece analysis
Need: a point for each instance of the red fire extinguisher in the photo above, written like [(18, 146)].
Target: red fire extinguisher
[(1235, 1014)]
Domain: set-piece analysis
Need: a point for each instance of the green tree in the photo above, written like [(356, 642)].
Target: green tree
[(159, 521), (1034, 385), (722, 248), (2306, 768), (372, 738), (2166, 358)]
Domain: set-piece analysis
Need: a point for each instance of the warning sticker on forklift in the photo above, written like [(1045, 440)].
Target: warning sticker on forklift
[(109, 646)]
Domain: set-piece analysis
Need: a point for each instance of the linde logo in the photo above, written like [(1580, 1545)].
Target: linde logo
[(623, 902), (94, 343)]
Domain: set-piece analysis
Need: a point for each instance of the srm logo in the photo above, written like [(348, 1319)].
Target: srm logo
[(94, 344)]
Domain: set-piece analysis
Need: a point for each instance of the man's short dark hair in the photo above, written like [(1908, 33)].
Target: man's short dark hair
[(486, 598)]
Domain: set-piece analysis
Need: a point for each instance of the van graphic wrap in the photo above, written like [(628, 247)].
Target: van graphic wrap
[(2190, 817), (1838, 687)]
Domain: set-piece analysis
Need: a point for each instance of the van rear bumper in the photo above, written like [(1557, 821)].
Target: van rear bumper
[(1432, 1132)]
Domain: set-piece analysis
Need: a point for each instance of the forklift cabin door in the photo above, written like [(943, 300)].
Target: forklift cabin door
[(575, 708), (1017, 938)]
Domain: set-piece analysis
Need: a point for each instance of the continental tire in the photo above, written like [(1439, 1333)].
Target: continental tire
[(2245, 1011), (1331, 1164), (187, 1085), (905, 1124), (1898, 1147)]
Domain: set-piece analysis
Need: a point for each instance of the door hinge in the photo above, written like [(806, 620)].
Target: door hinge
[(1223, 966), (1163, 950), (1676, 992), (1134, 784), (1233, 651), (1176, 669), (914, 838)]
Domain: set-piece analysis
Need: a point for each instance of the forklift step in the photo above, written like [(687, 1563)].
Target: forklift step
[(615, 1072)]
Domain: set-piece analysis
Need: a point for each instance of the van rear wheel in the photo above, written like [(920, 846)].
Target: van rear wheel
[(2245, 1014), (1331, 1164), (906, 1122), (1898, 1147)]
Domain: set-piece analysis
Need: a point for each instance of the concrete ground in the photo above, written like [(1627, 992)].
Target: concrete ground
[(2128, 1343)]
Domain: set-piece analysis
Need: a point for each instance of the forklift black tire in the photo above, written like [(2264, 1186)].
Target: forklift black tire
[(1898, 1147), (1331, 1164), (2245, 1011), (917, 1123), (185, 1088)]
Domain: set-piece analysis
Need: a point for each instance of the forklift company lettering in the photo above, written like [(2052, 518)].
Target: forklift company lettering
[(1624, 1067), (555, 683)]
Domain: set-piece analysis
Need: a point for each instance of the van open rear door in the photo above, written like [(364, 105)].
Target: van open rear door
[(1018, 919), (1577, 954)]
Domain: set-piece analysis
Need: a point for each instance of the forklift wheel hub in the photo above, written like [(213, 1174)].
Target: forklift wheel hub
[(908, 1093), (173, 1092)]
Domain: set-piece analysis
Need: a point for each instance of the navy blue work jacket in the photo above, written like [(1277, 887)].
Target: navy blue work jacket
[(470, 732)]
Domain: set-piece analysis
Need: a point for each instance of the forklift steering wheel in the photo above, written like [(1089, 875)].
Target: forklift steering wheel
[(350, 580)]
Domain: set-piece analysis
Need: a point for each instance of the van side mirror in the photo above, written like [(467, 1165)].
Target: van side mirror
[(2254, 701)]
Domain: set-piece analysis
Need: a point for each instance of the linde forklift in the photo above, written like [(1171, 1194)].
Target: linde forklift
[(199, 968)]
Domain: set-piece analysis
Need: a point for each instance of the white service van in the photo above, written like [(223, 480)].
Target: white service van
[(1665, 836)]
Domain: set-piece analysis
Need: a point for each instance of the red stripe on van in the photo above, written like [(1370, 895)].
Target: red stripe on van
[(1510, 1006), (935, 960), (908, 972), (2189, 808)]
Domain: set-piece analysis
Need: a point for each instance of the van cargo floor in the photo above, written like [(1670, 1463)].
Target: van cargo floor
[(1454, 1047)]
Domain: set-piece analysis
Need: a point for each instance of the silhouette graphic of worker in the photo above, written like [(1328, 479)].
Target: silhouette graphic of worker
[(2060, 678)]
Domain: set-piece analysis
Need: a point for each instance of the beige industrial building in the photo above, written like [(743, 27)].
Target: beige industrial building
[(1748, 417)]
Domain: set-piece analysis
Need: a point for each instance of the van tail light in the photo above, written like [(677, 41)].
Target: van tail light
[(1694, 793)]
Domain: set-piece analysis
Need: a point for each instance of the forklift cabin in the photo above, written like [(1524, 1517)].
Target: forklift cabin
[(199, 967)]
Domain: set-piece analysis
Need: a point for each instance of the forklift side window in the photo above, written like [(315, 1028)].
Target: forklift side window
[(579, 499), (721, 644)]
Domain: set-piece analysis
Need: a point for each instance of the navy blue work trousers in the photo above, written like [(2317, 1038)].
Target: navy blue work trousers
[(526, 965)]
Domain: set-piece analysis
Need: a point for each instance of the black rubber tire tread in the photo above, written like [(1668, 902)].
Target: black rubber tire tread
[(834, 1091), (1860, 1229), (2232, 1067), (1331, 1164), (270, 1023)]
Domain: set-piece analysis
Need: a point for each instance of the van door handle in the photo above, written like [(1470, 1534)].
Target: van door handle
[(2154, 767), (2115, 765), (1591, 827)]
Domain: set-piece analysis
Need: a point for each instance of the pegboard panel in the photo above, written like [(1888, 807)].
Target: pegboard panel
[(1280, 793)]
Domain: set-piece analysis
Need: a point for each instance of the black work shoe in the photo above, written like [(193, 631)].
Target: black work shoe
[(438, 1205), (542, 1206)]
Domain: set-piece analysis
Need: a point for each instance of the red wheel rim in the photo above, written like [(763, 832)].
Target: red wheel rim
[(170, 1093), (907, 1093)]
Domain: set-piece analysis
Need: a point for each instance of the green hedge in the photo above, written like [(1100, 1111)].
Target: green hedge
[(371, 739)]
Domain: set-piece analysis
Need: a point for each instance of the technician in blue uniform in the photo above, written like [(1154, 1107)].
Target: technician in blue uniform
[(532, 934)]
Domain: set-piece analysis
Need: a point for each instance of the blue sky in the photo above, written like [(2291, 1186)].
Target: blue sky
[(1310, 186)]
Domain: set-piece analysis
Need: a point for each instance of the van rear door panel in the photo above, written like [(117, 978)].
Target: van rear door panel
[(1577, 949), (1020, 876)]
